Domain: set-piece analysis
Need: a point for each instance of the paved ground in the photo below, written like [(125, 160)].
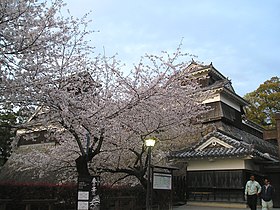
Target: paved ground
[(191, 207)]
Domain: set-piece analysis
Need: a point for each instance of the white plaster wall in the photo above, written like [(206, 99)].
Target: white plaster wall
[(223, 98), (221, 164), (230, 102), (212, 99), (216, 164)]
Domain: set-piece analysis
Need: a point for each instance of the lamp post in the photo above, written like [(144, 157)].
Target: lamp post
[(149, 144)]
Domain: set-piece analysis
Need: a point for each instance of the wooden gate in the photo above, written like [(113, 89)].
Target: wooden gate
[(179, 189)]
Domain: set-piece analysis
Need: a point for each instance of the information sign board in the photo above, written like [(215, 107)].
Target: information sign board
[(162, 181)]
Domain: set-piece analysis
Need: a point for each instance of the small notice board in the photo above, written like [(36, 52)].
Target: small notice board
[(162, 181)]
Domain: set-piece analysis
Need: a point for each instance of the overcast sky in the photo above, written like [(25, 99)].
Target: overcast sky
[(240, 37)]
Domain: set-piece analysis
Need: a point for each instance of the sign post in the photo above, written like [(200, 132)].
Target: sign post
[(162, 183), (88, 193)]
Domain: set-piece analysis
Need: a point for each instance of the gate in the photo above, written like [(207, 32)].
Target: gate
[(179, 189)]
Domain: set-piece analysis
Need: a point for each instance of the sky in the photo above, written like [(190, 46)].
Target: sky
[(240, 37)]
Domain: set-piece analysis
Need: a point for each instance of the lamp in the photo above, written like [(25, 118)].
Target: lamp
[(149, 144)]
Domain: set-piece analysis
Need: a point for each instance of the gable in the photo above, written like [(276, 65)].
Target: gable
[(228, 143), (213, 142)]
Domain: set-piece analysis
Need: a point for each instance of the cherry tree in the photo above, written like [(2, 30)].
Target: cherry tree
[(42, 56), (38, 44), (167, 104), (94, 112)]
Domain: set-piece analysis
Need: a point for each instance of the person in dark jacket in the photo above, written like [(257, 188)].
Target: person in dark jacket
[(266, 195)]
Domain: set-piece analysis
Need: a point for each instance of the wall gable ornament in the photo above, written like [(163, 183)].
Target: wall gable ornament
[(213, 142)]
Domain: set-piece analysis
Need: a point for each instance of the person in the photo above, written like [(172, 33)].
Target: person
[(266, 195), (252, 190)]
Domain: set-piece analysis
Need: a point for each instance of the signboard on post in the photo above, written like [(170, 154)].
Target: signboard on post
[(162, 186), (88, 195), (162, 181)]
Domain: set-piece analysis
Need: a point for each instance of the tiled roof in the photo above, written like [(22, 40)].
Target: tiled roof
[(211, 152), (256, 143), (243, 144)]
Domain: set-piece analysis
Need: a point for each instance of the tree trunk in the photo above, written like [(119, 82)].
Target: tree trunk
[(82, 166), (143, 182)]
